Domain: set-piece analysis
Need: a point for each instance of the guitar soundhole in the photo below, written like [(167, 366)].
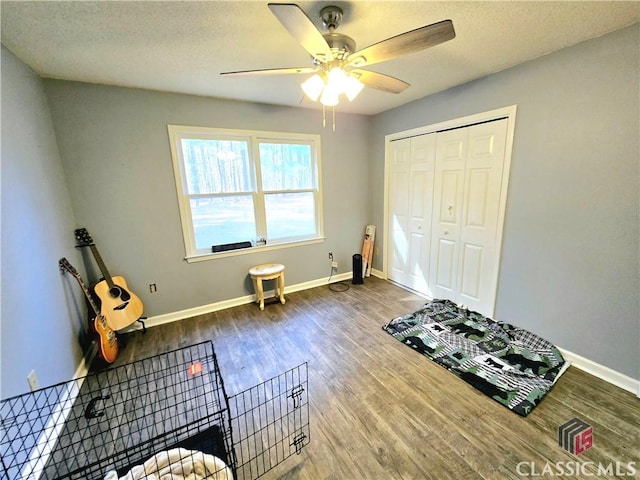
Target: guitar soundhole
[(117, 292)]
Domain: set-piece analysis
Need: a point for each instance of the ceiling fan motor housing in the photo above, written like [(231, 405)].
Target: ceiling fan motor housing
[(341, 45), (331, 17)]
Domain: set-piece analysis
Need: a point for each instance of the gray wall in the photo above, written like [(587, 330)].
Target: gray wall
[(42, 310), (570, 259), (571, 243), (114, 147)]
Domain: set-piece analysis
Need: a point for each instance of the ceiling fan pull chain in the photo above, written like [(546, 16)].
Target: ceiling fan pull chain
[(333, 109)]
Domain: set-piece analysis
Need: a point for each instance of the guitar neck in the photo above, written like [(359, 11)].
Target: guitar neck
[(101, 265), (66, 266), (87, 294)]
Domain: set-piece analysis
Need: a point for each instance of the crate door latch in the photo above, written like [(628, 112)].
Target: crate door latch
[(90, 411), (296, 395), (298, 442)]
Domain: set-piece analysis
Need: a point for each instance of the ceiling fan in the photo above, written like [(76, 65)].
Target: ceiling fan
[(337, 65)]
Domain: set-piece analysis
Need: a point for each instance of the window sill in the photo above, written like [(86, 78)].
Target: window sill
[(247, 251)]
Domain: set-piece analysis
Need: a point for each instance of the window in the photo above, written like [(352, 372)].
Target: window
[(238, 186)]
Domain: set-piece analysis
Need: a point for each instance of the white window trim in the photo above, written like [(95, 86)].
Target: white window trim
[(255, 137)]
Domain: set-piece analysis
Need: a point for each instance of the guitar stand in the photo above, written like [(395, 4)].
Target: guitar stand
[(144, 327)]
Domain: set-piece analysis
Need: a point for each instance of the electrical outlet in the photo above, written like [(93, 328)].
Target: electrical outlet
[(32, 380), (153, 288), (334, 265)]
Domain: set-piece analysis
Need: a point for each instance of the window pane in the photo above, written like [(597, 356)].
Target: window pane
[(286, 166), (221, 220), (290, 215), (216, 166)]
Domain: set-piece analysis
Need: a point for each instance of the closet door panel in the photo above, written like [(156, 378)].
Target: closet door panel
[(411, 200), (418, 271), (451, 151), (479, 231), (471, 271), (477, 199), (399, 209), (444, 281), (399, 228), (419, 227), (421, 204)]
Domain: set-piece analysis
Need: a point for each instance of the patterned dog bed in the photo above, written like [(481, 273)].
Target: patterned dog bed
[(509, 364)]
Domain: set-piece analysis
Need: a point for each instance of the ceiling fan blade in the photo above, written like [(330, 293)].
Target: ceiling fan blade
[(380, 81), (403, 44), (273, 71), (300, 26)]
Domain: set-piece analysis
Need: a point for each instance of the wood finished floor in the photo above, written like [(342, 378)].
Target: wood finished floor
[(379, 410)]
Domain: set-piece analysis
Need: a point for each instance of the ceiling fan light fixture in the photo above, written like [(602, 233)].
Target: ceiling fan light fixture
[(313, 87), (328, 87), (336, 79), (329, 97), (352, 87)]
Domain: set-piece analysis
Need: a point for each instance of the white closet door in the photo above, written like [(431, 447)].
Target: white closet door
[(479, 258), (400, 163), (468, 177), (451, 154), (412, 167), (420, 205)]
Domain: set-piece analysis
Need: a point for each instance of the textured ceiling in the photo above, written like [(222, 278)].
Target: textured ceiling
[(183, 46)]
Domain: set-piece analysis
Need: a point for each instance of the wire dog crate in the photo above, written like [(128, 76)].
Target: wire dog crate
[(170, 411)]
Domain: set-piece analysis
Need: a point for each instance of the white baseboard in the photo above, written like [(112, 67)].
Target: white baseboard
[(604, 373), (234, 302), (45, 444), (378, 273)]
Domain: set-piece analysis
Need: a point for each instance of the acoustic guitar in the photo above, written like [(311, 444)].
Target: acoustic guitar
[(119, 306), (108, 340)]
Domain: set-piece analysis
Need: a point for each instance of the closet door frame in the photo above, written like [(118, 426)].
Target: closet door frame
[(506, 112)]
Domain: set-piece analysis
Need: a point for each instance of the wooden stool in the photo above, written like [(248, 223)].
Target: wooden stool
[(268, 271)]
